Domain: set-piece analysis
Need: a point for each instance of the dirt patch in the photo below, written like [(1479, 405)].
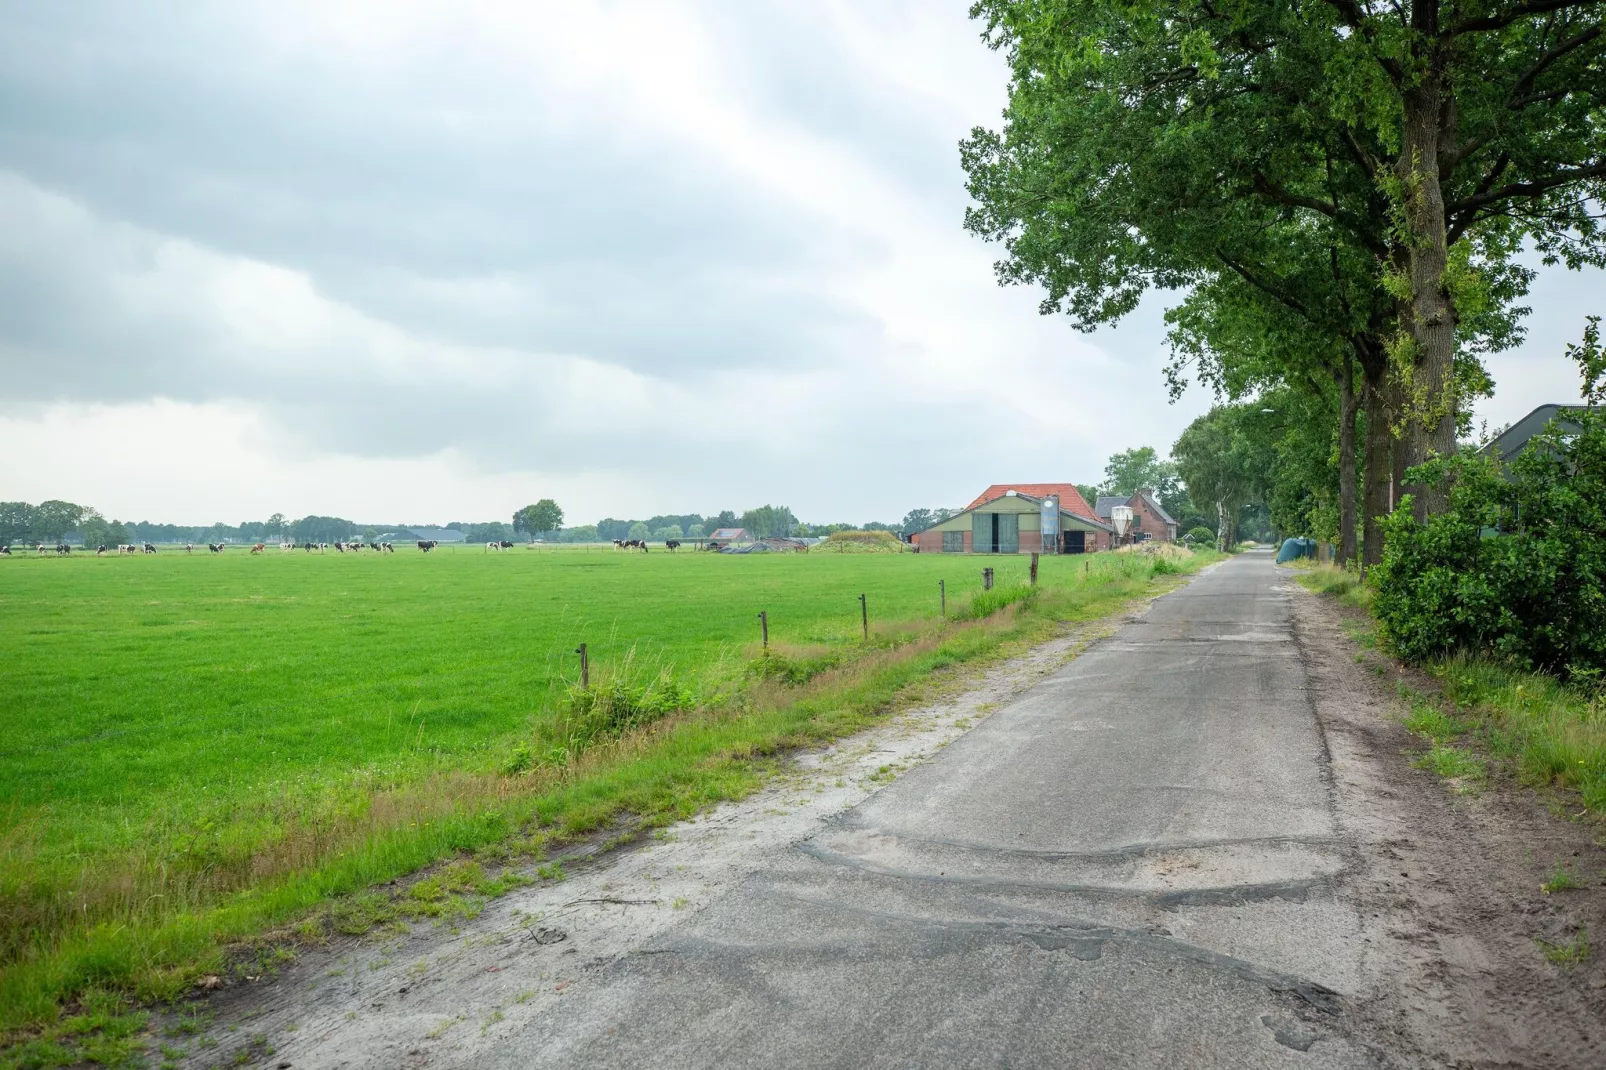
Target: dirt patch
[(1450, 881), (435, 993)]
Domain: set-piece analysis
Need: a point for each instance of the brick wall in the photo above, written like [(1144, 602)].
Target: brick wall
[(1152, 524)]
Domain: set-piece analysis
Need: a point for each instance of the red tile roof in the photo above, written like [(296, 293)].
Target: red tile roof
[(1071, 500)]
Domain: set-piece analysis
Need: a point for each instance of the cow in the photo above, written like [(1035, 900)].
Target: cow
[(5, 550), (386, 547), (63, 550), (258, 548), (427, 545), (671, 544), (189, 549), (150, 548), (215, 547), (506, 545)]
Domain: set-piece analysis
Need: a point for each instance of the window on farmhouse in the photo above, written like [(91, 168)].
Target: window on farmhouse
[(953, 542)]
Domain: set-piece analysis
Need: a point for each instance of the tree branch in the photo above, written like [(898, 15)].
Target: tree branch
[(1527, 189), (1506, 18), (1515, 100)]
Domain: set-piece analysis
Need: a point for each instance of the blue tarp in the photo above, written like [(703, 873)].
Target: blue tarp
[(1295, 548)]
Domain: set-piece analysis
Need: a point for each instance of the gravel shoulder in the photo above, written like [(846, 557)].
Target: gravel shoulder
[(1450, 881)]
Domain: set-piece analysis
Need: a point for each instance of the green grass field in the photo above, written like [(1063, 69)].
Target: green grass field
[(193, 748)]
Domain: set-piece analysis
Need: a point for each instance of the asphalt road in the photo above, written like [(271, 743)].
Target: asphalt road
[(1131, 865)]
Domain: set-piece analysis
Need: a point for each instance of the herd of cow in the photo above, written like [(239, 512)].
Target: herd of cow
[(426, 545), (641, 544)]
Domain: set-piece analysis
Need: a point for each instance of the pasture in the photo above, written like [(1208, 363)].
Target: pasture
[(186, 736)]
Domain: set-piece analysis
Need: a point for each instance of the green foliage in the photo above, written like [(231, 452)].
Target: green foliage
[(16, 522), (769, 520), (538, 519), (1132, 469), (1201, 535), (986, 603), (1568, 954), (52, 520), (1516, 566)]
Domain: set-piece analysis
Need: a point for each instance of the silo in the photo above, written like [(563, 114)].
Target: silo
[(1051, 524)]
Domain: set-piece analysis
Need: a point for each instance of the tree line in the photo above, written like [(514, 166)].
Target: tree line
[(1341, 191)]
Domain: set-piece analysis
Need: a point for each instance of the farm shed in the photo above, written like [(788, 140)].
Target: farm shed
[(1149, 520), (1015, 522), (720, 538)]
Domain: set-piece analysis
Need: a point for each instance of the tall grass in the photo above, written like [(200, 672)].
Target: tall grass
[(173, 876), (1545, 731)]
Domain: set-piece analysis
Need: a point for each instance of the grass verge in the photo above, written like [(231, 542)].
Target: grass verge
[(641, 744), (1530, 725)]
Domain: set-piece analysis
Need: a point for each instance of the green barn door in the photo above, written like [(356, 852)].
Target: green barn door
[(981, 533), (1009, 533)]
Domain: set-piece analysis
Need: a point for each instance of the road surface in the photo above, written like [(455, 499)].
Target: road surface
[(1131, 865)]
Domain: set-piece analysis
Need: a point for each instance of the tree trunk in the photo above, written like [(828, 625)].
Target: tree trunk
[(1379, 463), (1346, 463), (1430, 416)]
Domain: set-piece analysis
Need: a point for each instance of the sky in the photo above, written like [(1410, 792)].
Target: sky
[(426, 262)]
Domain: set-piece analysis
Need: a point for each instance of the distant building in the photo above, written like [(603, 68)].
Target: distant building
[(719, 538), (440, 535), (1510, 442), (1149, 519), (1019, 518)]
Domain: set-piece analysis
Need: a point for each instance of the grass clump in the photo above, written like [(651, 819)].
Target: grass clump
[(986, 603), (1561, 879), (1569, 954)]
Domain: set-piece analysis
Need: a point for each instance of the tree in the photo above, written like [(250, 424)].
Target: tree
[(767, 521), (696, 531), (1263, 146), (538, 519), (668, 531), (54, 519), (638, 530), (1133, 469), (276, 524), (17, 522), (725, 519), (918, 520), (307, 529)]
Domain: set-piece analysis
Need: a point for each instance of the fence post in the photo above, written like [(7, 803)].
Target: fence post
[(864, 616), (1034, 570), (942, 593), (764, 627), (585, 667), (986, 579)]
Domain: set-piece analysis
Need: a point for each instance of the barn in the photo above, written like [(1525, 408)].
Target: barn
[(1019, 518)]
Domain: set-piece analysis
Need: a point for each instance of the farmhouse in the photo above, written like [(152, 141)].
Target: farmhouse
[(1019, 518), (720, 538), (1149, 520)]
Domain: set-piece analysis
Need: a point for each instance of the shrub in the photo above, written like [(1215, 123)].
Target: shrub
[(1516, 566), (986, 603), (1201, 534), (615, 705)]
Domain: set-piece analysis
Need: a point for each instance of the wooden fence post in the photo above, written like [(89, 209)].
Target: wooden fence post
[(585, 667), (1034, 570), (764, 627), (942, 593), (864, 616)]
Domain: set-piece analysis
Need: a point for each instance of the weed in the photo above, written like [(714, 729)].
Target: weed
[(1561, 879), (1568, 955), (1452, 763), (551, 871)]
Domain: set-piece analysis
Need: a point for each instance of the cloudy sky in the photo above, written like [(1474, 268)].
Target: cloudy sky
[(434, 261)]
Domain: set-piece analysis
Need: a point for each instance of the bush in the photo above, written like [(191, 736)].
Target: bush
[(1201, 534), (1516, 566)]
